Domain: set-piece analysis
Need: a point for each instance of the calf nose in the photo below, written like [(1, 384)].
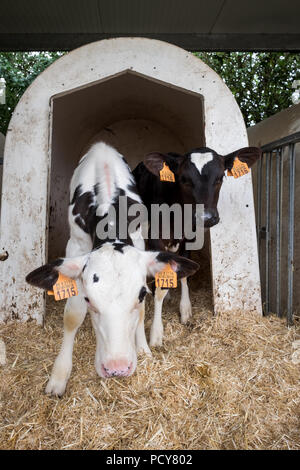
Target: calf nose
[(117, 368), (211, 219), (214, 220)]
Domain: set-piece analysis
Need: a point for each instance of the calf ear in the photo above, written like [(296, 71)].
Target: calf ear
[(46, 276), (157, 260), (247, 155), (154, 162)]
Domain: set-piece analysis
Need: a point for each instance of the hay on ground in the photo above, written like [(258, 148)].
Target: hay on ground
[(225, 382)]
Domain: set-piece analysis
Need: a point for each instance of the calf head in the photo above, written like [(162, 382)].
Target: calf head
[(200, 173), (112, 282)]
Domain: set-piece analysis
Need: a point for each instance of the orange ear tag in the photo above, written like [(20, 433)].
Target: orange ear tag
[(166, 278), (64, 288), (239, 169), (166, 174)]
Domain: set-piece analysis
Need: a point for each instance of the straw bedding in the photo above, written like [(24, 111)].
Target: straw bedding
[(226, 382)]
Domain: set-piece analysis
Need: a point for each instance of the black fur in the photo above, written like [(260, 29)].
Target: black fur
[(84, 209), (142, 294), (115, 203), (133, 188), (45, 276), (189, 187), (96, 189), (119, 246), (185, 267), (248, 155)]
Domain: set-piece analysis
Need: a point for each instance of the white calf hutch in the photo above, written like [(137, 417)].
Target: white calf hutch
[(140, 95), (2, 142)]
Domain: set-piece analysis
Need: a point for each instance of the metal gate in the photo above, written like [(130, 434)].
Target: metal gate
[(275, 216)]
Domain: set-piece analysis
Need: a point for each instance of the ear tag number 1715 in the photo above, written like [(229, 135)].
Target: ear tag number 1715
[(166, 278), (64, 288)]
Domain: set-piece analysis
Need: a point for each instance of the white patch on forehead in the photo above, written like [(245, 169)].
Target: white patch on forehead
[(121, 276), (201, 159)]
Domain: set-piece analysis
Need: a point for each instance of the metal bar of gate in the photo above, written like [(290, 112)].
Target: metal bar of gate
[(290, 139), (291, 233), (278, 228), (259, 179), (269, 151), (267, 247)]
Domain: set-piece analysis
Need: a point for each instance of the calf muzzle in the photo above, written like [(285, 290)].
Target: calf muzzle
[(117, 368), (211, 218)]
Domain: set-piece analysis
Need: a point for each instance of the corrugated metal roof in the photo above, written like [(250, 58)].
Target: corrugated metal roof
[(200, 23)]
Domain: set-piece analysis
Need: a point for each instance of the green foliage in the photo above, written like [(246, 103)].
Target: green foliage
[(19, 69), (261, 82)]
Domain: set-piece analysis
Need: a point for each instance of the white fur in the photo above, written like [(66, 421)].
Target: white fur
[(114, 301), (201, 159), (140, 337), (113, 305), (104, 166), (157, 329), (114, 308), (185, 303)]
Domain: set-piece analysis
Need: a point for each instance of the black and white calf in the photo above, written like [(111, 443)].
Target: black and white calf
[(198, 180), (110, 274)]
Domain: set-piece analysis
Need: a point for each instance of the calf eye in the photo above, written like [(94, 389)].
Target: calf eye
[(86, 299), (142, 294)]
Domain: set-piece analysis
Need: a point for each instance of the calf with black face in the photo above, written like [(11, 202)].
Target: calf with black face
[(198, 180)]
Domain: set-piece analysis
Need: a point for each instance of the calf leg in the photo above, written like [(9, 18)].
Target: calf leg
[(157, 330), (140, 337), (185, 303), (75, 311)]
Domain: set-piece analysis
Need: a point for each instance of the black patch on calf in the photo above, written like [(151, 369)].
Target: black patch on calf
[(84, 209), (247, 155), (154, 162), (142, 294), (124, 238), (185, 267), (95, 278), (45, 276), (80, 222), (76, 194), (119, 247), (132, 187)]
